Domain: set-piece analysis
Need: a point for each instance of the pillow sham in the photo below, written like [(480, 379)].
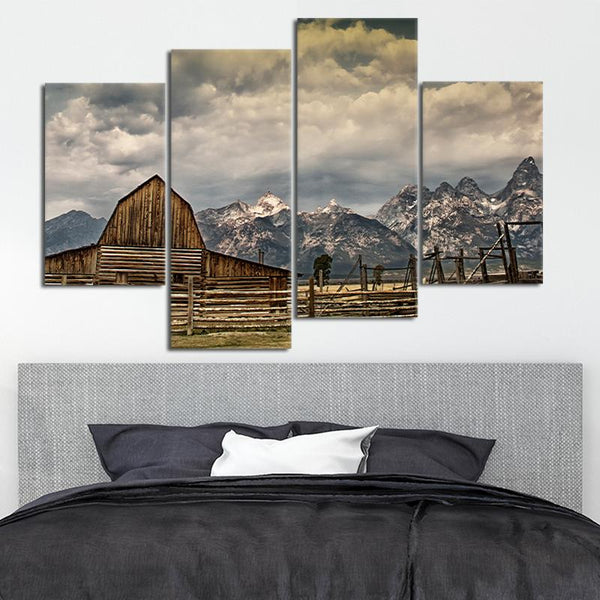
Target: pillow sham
[(416, 451), (320, 453), (133, 452)]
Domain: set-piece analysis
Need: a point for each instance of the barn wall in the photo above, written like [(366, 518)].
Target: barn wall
[(79, 260), (185, 229), (118, 265), (139, 218), (223, 265)]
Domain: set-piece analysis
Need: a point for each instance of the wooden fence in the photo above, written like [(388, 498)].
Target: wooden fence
[(503, 250), (373, 298), (230, 304), (359, 303)]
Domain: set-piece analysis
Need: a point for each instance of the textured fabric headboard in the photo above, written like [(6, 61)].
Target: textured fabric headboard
[(533, 410)]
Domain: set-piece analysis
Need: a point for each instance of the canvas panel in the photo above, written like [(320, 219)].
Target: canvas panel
[(104, 194), (357, 167), (230, 217), (482, 193)]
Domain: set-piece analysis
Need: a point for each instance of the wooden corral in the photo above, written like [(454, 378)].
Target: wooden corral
[(230, 304), (370, 297), (503, 250), (357, 303)]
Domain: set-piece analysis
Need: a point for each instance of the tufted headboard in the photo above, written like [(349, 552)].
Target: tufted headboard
[(533, 410)]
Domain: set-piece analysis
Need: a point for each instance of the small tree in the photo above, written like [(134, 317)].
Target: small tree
[(322, 263), (378, 274)]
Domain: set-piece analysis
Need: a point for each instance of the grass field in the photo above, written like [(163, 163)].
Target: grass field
[(263, 340)]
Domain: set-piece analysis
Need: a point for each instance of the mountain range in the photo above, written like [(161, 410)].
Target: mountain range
[(457, 217), (242, 229), (465, 216), (72, 229), (344, 234)]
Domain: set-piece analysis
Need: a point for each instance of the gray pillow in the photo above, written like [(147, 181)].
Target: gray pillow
[(417, 451), (134, 452)]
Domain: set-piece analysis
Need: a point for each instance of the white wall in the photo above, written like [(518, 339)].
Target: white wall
[(98, 41)]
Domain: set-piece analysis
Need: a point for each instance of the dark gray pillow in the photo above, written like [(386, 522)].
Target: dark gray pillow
[(417, 451), (134, 452)]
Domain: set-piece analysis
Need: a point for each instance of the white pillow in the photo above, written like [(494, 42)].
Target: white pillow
[(344, 451)]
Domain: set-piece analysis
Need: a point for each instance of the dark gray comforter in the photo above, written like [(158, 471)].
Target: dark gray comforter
[(350, 537)]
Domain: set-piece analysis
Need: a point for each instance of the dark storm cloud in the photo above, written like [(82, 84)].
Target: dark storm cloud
[(101, 141), (400, 28), (194, 73), (230, 129), (130, 98), (357, 111), (363, 195), (481, 130), (220, 192)]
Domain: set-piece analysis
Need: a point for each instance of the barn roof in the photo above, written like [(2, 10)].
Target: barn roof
[(138, 219)]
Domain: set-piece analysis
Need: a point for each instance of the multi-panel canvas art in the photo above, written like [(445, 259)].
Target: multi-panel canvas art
[(230, 212), (104, 195), (357, 167), (482, 196), (230, 153)]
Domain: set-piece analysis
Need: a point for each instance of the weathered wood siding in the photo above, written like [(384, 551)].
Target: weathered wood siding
[(223, 265), (187, 261), (70, 279), (138, 218), (120, 265), (185, 232), (78, 260)]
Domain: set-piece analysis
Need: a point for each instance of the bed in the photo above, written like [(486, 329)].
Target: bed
[(514, 534)]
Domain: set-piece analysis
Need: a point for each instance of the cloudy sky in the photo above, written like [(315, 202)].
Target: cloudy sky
[(101, 141), (481, 130), (230, 128), (357, 111)]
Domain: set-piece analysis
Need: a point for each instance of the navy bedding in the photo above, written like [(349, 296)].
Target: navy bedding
[(286, 537)]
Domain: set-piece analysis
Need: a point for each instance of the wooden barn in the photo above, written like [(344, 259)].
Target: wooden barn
[(130, 250), (209, 290)]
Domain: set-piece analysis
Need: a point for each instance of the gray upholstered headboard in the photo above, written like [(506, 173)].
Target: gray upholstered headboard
[(534, 410)]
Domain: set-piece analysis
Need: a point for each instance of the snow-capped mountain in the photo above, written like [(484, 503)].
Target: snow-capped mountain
[(242, 229), (72, 229), (344, 234), (465, 216), (399, 213), (453, 220)]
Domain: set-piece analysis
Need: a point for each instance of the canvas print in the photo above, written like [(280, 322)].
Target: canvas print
[(104, 194), (230, 213), (357, 167), (482, 198)]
